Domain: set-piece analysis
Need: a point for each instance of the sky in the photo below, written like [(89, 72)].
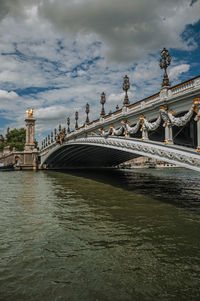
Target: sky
[(58, 55)]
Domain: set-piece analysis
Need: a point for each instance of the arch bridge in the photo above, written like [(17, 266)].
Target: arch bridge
[(164, 126)]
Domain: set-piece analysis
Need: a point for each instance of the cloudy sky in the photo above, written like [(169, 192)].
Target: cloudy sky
[(57, 55)]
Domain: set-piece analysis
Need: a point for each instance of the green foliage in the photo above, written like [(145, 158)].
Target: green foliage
[(15, 138), (2, 145)]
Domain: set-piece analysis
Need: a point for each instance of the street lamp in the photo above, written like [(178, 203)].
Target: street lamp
[(102, 101), (68, 124), (76, 118), (126, 87), (87, 111), (164, 63)]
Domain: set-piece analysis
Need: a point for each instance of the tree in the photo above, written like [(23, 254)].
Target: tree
[(15, 138)]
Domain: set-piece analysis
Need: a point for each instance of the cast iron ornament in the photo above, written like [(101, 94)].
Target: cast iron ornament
[(164, 64), (87, 111), (103, 100), (126, 87)]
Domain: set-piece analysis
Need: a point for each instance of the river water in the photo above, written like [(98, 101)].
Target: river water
[(100, 235)]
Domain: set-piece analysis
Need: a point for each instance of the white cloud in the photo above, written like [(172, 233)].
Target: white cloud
[(129, 29), (176, 71), (7, 95), (74, 52), (50, 113)]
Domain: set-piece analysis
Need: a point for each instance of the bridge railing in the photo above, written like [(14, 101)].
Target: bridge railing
[(183, 87)]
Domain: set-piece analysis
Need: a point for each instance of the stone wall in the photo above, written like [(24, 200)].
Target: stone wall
[(21, 160)]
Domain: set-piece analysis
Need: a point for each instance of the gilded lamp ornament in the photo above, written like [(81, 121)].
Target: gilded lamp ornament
[(165, 61), (126, 87)]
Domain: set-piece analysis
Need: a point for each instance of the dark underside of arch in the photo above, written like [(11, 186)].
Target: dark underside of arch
[(87, 156)]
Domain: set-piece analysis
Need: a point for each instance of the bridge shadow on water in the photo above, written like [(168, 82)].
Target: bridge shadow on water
[(177, 186)]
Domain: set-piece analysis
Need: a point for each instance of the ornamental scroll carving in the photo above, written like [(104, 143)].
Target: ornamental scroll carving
[(152, 126), (167, 115), (131, 129), (117, 132), (105, 134)]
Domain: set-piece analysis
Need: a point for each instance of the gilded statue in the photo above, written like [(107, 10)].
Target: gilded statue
[(30, 113), (61, 136)]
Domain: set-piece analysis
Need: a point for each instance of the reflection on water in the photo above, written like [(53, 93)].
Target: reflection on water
[(100, 235), (177, 186)]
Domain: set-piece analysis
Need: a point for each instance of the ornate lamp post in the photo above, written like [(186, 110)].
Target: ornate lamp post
[(164, 63), (87, 111), (103, 100), (68, 124), (126, 87), (76, 118), (55, 132), (46, 141), (51, 137)]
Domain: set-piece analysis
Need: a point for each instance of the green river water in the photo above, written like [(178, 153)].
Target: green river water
[(100, 235)]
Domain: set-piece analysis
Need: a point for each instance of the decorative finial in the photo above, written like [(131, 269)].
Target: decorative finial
[(76, 118), (117, 107), (87, 111), (59, 128), (126, 87), (30, 113), (103, 100), (68, 124), (164, 63)]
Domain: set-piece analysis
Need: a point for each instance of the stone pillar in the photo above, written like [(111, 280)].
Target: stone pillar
[(168, 133), (144, 133), (30, 133), (198, 131)]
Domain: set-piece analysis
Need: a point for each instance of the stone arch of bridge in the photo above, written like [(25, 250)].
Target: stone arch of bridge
[(105, 152)]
